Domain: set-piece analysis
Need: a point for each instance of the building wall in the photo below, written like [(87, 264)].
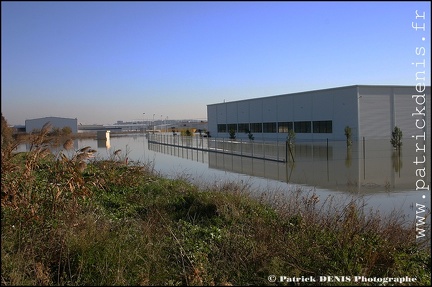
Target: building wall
[(56, 122), (382, 108), (212, 125), (337, 105), (345, 112), (371, 112)]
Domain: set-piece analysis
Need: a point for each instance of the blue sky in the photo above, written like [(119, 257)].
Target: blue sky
[(101, 62)]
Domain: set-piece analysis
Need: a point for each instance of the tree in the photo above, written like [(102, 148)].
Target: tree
[(348, 135), (232, 134), (290, 142), (250, 135), (396, 139), (291, 137)]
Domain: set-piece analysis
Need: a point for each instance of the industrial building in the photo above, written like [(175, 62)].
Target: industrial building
[(371, 111), (56, 122)]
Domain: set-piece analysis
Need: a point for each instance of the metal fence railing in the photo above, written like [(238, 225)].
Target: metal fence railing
[(271, 150)]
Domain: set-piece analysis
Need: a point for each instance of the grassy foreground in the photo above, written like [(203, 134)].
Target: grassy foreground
[(68, 219)]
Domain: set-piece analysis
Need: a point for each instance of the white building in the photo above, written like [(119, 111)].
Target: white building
[(370, 111), (56, 122)]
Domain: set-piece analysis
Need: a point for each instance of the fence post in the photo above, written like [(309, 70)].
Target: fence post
[(327, 149), (364, 159), (252, 152), (277, 148)]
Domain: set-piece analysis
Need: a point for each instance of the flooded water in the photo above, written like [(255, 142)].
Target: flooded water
[(373, 170)]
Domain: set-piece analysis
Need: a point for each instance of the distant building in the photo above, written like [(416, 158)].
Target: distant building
[(56, 122), (192, 126), (370, 111)]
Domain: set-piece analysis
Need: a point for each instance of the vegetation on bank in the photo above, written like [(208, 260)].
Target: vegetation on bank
[(72, 219)]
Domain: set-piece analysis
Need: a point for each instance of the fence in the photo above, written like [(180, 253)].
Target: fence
[(273, 151)]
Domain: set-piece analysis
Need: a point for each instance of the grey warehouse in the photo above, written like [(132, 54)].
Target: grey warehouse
[(371, 111)]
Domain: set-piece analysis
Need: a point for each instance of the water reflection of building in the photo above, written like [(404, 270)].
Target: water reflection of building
[(103, 139), (373, 168), (370, 166)]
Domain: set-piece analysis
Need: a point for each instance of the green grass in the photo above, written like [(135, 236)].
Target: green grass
[(109, 222)]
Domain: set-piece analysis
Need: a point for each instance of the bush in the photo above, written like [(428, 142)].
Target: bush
[(6, 133)]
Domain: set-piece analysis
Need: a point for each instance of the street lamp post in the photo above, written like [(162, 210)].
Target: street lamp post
[(153, 124), (161, 122), (143, 123)]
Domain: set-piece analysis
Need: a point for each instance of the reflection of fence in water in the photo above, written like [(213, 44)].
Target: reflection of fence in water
[(195, 154), (273, 151), (368, 165)]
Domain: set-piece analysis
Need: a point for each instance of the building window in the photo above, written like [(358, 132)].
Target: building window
[(269, 127), (284, 127), (222, 128), (323, 127), (302, 127), (232, 127), (243, 128), (256, 127)]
